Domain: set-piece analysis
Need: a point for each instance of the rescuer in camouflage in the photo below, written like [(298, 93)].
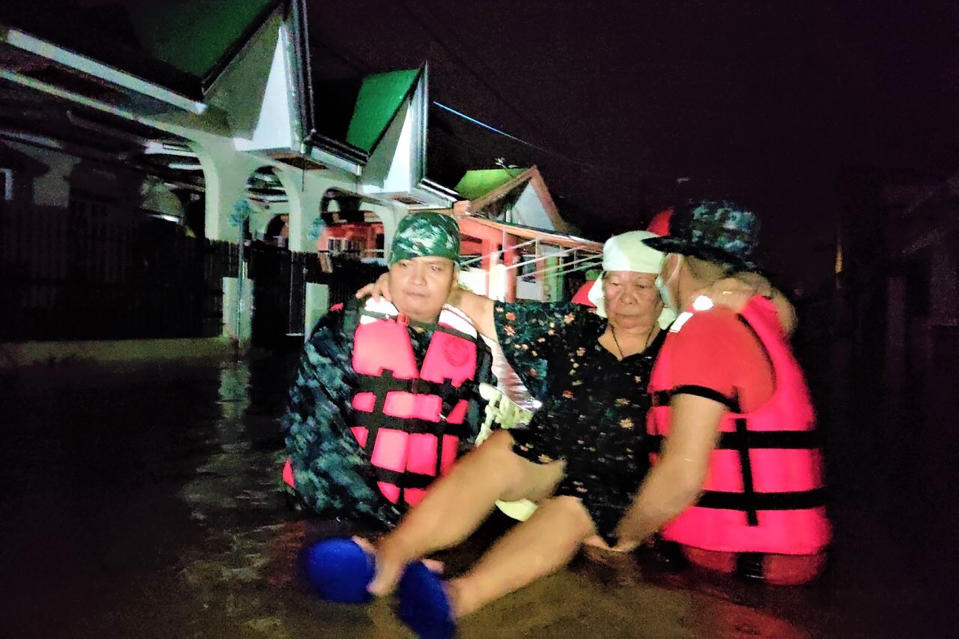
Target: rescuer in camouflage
[(333, 474)]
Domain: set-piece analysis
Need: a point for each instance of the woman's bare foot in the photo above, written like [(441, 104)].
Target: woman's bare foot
[(391, 561)]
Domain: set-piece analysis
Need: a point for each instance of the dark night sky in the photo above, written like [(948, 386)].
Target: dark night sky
[(764, 102)]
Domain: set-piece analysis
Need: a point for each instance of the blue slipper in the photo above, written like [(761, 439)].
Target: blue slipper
[(339, 570), (423, 605)]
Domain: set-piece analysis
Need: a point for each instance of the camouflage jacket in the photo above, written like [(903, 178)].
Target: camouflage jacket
[(334, 476)]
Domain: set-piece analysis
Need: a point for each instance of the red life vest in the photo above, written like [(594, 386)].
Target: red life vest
[(764, 492), (410, 420)]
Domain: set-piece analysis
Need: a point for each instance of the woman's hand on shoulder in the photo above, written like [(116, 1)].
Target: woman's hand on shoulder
[(734, 292), (380, 289)]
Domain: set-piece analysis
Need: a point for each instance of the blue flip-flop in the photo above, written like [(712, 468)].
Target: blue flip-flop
[(423, 604), (340, 570)]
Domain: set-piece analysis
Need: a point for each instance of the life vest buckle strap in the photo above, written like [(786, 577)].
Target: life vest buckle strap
[(783, 439), (404, 479), (411, 425), (795, 500), (385, 382)]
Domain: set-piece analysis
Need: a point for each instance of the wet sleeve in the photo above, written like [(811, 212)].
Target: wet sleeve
[(529, 333), (332, 473)]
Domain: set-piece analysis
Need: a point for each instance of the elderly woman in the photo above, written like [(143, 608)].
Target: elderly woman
[(581, 458)]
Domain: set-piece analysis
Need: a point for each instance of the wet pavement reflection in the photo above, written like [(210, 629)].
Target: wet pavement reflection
[(144, 501)]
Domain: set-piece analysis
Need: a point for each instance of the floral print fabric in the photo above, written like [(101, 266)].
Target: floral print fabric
[(593, 405)]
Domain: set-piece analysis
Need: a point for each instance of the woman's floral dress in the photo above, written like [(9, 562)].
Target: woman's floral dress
[(593, 412)]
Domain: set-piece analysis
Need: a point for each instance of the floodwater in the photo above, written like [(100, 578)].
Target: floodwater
[(143, 501)]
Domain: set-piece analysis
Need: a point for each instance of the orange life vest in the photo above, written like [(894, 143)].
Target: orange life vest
[(410, 420), (764, 492)]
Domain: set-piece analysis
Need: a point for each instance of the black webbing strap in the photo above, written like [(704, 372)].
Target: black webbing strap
[(787, 439), (456, 333), (784, 439), (663, 397), (404, 479), (378, 420), (796, 500), (373, 421), (746, 470)]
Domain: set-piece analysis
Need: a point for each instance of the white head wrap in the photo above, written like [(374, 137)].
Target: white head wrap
[(627, 252)]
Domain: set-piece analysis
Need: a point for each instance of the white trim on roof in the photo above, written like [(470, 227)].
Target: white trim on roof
[(99, 70)]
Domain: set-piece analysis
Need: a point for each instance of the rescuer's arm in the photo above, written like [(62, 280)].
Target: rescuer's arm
[(677, 478)]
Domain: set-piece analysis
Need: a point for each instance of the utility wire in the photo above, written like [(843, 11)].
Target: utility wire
[(364, 68), (458, 59), (542, 149)]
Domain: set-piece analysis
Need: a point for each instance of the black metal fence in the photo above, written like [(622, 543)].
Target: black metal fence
[(90, 273), (279, 287)]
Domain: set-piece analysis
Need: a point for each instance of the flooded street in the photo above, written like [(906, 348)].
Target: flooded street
[(144, 501)]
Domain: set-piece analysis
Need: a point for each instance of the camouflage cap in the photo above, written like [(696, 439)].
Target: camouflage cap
[(423, 234), (715, 231)]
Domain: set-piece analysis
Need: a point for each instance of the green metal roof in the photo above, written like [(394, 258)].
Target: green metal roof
[(479, 182), (379, 99), (156, 39), (192, 36)]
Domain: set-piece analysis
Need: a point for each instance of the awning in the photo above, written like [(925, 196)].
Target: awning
[(529, 233)]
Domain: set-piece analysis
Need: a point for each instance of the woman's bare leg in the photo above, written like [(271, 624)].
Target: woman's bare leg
[(457, 504), (537, 547)]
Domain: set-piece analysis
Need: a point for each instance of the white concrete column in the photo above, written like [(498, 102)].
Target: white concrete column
[(225, 172), (305, 191), (238, 311)]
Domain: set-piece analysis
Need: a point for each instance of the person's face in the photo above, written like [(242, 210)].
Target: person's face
[(630, 295), (419, 286)]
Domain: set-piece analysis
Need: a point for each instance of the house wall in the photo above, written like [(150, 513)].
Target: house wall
[(529, 210)]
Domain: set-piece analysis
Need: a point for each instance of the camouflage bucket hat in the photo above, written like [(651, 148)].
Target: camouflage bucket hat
[(422, 234), (714, 231)]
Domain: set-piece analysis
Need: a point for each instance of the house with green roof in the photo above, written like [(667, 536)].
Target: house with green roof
[(191, 108)]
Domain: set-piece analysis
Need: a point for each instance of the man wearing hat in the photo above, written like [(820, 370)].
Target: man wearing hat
[(737, 479), (386, 396)]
